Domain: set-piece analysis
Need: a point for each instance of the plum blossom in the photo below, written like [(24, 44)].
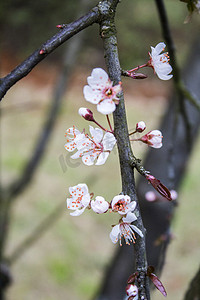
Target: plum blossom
[(160, 62), (122, 204), (79, 199), (99, 205), (126, 230), (73, 136), (100, 91), (132, 290), (95, 147), (153, 138)]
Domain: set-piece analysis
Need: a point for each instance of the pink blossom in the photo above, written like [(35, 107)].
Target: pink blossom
[(100, 91)]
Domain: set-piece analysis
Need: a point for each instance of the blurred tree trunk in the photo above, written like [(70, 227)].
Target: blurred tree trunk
[(169, 165)]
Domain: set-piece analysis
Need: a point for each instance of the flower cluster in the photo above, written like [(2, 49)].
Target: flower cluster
[(80, 199)]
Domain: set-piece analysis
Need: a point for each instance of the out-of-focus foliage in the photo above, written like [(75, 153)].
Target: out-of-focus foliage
[(25, 25)]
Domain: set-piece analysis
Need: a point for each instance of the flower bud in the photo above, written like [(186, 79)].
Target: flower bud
[(100, 205), (160, 188), (86, 113), (153, 138), (131, 290), (139, 76), (140, 126)]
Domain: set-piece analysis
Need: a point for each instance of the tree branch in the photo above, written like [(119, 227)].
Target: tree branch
[(108, 34), (166, 32), (58, 39)]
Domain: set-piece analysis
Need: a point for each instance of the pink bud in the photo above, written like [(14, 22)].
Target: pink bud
[(86, 113), (140, 126), (160, 188)]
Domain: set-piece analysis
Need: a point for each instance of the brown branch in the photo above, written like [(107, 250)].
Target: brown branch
[(108, 34), (58, 39)]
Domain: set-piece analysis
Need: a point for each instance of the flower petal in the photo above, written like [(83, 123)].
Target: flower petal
[(77, 212), (91, 95), (106, 107), (115, 232), (96, 133), (98, 79), (102, 158), (159, 48), (108, 141), (137, 230)]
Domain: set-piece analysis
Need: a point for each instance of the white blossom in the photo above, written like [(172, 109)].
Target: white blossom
[(99, 205), (79, 199), (97, 147), (122, 204), (100, 91), (126, 230), (153, 138), (73, 136), (160, 62)]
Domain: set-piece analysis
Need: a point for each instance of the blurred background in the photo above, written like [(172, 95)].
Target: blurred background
[(68, 259)]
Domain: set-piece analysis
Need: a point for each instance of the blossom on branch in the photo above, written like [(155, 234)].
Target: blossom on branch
[(122, 204), (100, 91), (97, 147), (99, 205), (153, 138), (126, 230), (160, 62), (79, 199)]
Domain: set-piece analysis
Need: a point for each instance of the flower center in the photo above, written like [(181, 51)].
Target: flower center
[(120, 205), (108, 92)]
